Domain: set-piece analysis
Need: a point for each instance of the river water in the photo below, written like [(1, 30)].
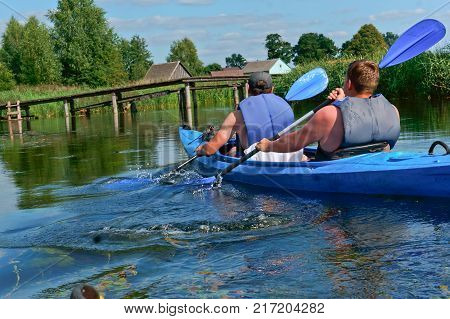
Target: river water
[(60, 190)]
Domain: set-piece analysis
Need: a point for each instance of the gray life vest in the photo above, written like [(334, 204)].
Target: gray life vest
[(368, 120)]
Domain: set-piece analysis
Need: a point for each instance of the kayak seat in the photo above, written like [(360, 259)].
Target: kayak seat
[(349, 151)]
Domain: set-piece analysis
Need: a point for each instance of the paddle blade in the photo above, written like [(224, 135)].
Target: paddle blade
[(309, 85), (417, 39)]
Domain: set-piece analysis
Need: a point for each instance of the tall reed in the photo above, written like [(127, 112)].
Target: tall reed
[(425, 76)]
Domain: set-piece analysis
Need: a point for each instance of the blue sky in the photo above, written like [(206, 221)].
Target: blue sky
[(222, 27)]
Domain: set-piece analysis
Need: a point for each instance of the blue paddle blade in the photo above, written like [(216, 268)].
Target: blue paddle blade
[(309, 85), (417, 39)]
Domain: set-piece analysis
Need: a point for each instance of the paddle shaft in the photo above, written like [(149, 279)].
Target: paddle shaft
[(305, 117), (186, 163)]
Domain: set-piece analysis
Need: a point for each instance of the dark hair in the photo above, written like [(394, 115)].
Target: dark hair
[(364, 75), (260, 88)]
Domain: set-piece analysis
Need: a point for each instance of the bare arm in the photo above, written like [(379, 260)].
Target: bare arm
[(222, 136), (313, 131)]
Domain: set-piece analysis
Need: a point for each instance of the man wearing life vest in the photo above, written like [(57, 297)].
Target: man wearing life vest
[(356, 117), (261, 115)]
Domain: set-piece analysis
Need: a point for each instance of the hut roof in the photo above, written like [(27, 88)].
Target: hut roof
[(259, 66), (165, 71), (228, 72)]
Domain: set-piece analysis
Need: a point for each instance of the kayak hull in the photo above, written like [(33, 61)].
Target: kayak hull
[(387, 173)]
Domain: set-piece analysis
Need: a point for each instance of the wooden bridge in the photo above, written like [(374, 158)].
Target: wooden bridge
[(115, 97)]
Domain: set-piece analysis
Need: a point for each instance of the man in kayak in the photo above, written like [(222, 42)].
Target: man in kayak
[(262, 115), (355, 118)]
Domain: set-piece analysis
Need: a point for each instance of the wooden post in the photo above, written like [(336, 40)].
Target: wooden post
[(242, 92), (11, 131), (116, 113), (133, 107), (187, 93), (8, 110), (72, 107), (19, 112), (67, 115), (19, 125), (116, 123), (120, 104), (194, 99), (236, 97), (180, 105), (27, 112), (114, 104), (73, 120), (66, 108)]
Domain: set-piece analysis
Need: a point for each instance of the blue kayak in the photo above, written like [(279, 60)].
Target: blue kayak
[(383, 173)]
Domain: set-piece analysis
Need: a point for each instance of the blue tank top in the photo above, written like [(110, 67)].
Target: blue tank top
[(368, 120), (265, 115)]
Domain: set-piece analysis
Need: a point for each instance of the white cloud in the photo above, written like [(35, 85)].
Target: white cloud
[(337, 34), (396, 14), (172, 22)]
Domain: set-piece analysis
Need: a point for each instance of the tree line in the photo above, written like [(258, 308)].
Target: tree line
[(80, 48)]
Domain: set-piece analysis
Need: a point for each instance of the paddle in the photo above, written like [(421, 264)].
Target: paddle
[(416, 40)]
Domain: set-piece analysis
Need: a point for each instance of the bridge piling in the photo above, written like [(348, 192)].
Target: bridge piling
[(187, 92)]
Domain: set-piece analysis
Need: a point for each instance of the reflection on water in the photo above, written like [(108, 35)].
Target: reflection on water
[(61, 190)]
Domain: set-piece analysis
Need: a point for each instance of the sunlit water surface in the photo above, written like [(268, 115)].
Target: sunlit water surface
[(60, 191)]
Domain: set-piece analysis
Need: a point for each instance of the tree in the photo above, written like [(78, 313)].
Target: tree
[(10, 46), (6, 78), (390, 38), (313, 47), (86, 46), (277, 48), (38, 61), (136, 57), (185, 51), (365, 43), (235, 60), (212, 67)]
